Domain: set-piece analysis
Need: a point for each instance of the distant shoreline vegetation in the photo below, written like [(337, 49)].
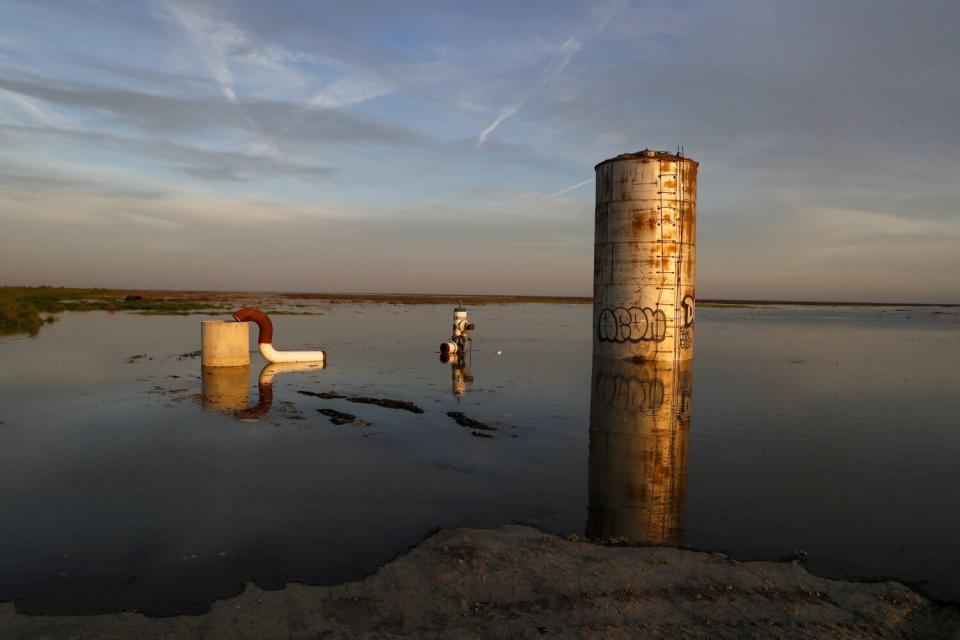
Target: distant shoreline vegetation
[(25, 310)]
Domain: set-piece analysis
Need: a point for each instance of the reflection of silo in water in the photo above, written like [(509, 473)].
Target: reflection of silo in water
[(225, 389), (639, 427), (644, 256)]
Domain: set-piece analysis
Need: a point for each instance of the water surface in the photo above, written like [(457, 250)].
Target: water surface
[(144, 483)]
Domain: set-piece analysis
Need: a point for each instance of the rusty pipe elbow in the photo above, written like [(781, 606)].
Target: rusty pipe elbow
[(262, 321)]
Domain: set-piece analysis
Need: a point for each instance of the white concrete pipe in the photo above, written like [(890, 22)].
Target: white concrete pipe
[(224, 344), (265, 340)]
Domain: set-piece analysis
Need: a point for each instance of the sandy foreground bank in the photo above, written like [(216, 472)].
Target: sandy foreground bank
[(519, 582)]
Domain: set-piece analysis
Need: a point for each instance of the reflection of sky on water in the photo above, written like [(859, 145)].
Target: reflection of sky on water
[(829, 430)]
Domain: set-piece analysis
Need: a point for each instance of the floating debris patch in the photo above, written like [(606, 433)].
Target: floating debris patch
[(470, 423), (480, 434), (387, 404), (338, 417), (327, 395), (380, 402)]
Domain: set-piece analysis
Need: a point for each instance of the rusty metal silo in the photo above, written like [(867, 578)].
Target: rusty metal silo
[(645, 256)]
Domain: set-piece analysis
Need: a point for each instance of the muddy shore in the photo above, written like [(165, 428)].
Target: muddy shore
[(518, 582)]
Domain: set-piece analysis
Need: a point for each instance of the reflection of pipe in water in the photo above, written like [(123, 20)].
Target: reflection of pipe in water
[(227, 390), (265, 339), (639, 429), (459, 370)]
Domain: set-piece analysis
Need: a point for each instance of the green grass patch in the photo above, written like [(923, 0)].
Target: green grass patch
[(21, 307)]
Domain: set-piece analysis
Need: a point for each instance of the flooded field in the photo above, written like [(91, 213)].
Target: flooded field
[(132, 479)]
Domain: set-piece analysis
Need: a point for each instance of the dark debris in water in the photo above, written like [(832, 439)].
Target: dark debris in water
[(327, 395), (387, 404), (338, 417), (192, 354), (480, 434), (468, 422), (380, 402)]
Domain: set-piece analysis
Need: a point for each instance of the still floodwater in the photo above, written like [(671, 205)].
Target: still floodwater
[(132, 484)]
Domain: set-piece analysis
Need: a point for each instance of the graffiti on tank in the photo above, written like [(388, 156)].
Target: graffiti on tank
[(686, 327), (632, 325)]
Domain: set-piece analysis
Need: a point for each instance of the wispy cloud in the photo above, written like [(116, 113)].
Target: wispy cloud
[(200, 163), (35, 110), (350, 90), (561, 58), (151, 221), (554, 68), (213, 39), (571, 188), (82, 199), (165, 114)]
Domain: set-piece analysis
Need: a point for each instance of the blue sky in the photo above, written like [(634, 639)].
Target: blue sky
[(449, 147)]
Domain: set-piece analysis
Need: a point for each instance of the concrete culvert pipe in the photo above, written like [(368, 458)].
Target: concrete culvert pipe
[(265, 340)]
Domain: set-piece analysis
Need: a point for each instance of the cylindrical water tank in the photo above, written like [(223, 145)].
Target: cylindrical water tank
[(645, 256)]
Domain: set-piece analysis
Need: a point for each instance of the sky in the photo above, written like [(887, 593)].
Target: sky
[(449, 146)]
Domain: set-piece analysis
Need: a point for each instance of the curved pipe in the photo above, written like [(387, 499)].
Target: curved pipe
[(261, 319), (265, 340)]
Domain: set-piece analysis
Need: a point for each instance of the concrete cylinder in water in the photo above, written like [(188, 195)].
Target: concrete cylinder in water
[(224, 343), (645, 256)]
